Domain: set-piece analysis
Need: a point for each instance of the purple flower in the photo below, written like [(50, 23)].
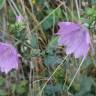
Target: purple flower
[(19, 18), (8, 57), (75, 38)]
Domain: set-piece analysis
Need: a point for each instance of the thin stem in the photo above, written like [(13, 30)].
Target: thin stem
[(76, 74), (47, 17), (12, 8), (30, 1), (4, 23), (12, 1), (40, 93), (78, 10), (45, 79), (29, 38), (30, 78)]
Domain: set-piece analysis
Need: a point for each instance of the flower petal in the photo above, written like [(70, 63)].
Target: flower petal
[(67, 28), (75, 38), (8, 57)]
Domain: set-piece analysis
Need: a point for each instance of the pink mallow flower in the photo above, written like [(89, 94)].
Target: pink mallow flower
[(8, 57), (75, 37), (19, 18)]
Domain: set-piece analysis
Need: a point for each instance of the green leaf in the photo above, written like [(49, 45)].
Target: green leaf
[(48, 23), (35, 52), (2, 3), (51, 60), (34, 41), (53, 42), (40, 1), (93, 1), (58, 14), (24, 83), (85, 86), (87, 62), (21, 88), (2, 80), (2, 93), (52, 45), (13, 88), (51, 90)]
